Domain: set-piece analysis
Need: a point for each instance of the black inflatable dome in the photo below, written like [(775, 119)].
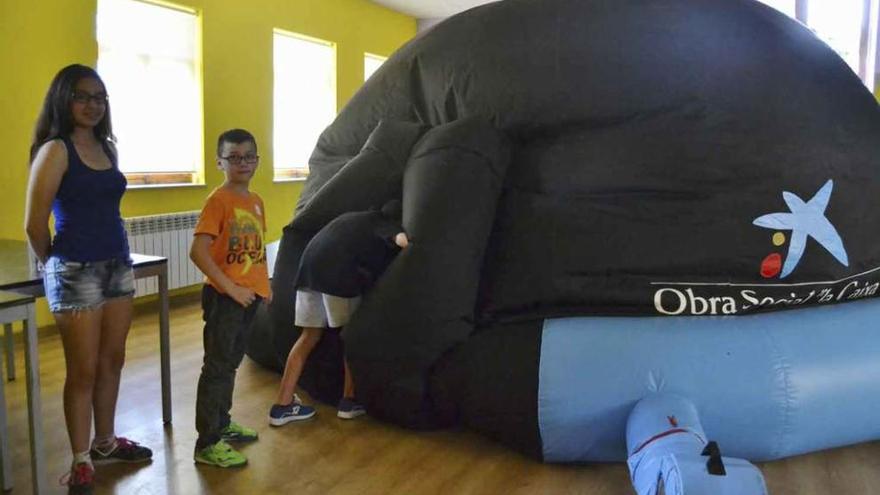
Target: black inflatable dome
[(582, 157)]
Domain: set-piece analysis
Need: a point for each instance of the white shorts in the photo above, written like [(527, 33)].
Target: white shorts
[(318, 310)]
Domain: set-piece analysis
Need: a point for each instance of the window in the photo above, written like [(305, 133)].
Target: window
[(305, 100), (787, 7), (372, 64), (148, 57), (849, 27), (839, 24)]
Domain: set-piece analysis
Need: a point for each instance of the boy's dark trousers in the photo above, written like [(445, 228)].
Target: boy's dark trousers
[(226, 327)]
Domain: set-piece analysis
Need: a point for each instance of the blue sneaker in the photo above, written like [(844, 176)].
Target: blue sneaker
[(281, 415), (349, 409)]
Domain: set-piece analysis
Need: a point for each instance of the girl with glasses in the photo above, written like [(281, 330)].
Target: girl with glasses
[(87, 276)]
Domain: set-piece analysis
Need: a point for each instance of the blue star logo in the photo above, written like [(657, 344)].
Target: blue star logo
[(806, 220)]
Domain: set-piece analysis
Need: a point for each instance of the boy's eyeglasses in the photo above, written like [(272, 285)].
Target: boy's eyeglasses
[(238, 159), (84, 98)]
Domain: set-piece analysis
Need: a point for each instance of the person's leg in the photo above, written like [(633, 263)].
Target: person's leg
[(73, 291), (80, 336), (115, 324), (287, 408), (348, 407), (310, 316), (339, 313), (223, 318), (348, 382), (296, 360), (229, 430)]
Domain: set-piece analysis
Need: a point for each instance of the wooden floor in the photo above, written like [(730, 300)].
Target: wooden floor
[(327, 455)]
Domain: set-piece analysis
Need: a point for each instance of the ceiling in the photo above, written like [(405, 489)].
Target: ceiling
[(430, 9)]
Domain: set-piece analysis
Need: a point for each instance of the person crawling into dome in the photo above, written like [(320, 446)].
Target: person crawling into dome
[(338, 266)]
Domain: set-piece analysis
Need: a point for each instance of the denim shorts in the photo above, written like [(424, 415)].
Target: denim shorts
[(74, 285)]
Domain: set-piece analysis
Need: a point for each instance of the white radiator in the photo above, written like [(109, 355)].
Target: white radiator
[(169, 236)]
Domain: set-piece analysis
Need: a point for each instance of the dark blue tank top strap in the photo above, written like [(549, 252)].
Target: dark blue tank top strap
[(73, 155), (111, 153)]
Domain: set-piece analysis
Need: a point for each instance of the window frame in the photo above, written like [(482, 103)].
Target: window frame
[(374, 56), (172, 178), (300, 173)]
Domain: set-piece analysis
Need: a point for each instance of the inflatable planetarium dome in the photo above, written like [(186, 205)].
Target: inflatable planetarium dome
[(609, 202)]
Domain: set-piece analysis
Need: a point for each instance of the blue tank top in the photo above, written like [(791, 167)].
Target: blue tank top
[(88, 226)]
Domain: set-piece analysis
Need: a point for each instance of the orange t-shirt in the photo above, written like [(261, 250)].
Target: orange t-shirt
[(238, 226)]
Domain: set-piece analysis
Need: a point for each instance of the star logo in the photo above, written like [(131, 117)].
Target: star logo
[(803, 220)]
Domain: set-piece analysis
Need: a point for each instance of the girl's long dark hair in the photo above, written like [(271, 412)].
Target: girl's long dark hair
[(56, 119)]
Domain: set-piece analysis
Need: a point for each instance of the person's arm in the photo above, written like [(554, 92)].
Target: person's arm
[(47, 170), (200, 254)]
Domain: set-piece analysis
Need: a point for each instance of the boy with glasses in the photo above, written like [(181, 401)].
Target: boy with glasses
[(228, 247)]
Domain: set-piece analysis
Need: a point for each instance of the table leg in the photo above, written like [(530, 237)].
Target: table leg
[(5, 457), (165, 345), (10, 351), (32, 371)]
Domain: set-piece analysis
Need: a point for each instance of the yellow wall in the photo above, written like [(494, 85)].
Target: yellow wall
[(38, 37)]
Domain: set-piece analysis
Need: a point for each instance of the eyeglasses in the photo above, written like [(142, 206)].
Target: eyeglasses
[(85, 98), (237, 159)]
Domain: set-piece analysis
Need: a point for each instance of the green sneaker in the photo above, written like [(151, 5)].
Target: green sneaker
[(238, 433), (220, 454)]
